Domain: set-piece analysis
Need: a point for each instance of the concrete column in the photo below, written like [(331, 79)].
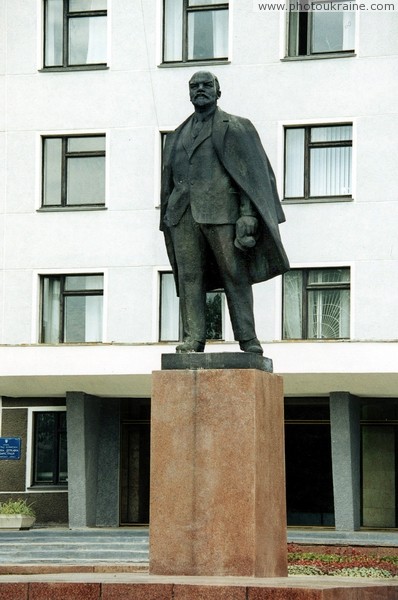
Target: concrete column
[(217, 473), (83, 420), (346, 459)]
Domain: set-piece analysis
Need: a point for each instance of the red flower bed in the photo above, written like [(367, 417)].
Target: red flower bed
[(342, 561)]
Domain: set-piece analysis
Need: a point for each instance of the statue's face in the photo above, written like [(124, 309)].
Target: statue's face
[(202, 90)]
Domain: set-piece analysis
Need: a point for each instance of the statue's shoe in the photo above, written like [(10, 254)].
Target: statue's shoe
[(252, 345), (190, 346)]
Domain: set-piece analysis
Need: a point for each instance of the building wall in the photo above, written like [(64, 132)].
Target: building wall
[(134, 99), (51, 504)]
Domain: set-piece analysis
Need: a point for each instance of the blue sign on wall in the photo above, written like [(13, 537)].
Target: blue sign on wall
[(10, 448)]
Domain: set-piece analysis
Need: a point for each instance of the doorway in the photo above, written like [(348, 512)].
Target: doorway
[(309, 481), (134, 461)]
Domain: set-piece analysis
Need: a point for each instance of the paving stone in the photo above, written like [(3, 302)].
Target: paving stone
[(14, 591), (207, 592), (126, 591), (64, 591)]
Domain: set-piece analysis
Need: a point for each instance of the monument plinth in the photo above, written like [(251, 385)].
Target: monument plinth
[(217, 471)]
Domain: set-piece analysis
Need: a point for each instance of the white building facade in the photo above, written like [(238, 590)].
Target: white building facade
[(87, 90)]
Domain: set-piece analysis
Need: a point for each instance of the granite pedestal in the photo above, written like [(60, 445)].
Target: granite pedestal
[(217, 469)]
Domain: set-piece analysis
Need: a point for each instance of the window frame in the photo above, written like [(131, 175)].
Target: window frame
[(304, 21), (65, 294), (308, 145), (67, 15), (305, 289), (30, 450), (186, 11), (65, 155), (58, 431)]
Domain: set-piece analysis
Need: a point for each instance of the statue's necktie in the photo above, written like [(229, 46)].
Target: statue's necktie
[(196, 127)]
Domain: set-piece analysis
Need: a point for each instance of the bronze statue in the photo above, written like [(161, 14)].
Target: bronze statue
[(219, 213)]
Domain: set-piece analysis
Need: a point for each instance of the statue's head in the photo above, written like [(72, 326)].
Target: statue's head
[(204, 89)]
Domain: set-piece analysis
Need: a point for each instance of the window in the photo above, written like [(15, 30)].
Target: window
[(195, 30), (72, 308), (75, 33), (379, 480), (50, 465), (170, 324), (318, 161), (316, 304), (73, 171), (324, 28)]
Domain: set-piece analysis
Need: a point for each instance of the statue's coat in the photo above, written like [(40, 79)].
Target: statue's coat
[(240, 151)]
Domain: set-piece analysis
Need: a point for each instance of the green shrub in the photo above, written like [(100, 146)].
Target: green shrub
[(304, 570), (17, 507)]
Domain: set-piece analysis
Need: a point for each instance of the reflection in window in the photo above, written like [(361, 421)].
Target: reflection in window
[(324, 28), (50, 448), (316, 304), (195, 30), (318, 161), (75, 32), (379, 433), (74, 171), (72, 308)]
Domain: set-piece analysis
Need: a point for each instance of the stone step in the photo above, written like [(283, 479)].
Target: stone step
[(70, 547)]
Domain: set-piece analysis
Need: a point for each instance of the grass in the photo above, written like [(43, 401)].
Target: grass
[(343, 562), (17, 507)]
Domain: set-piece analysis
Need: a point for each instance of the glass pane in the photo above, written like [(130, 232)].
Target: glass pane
[(309, 481), (53, 33), (319, 276), (83, 319), (52, 176), (374, 410), (207, 34), (292, 305), (172, 42), (214, 315), (84, 282), (336, 133), (86, 180), (203, 2), (294, 167), (51, 310), (86, 144), (330, 171), (379, 469), (45, 442), (293, 49), (169, 309), (328, 314), (84, 5), (87, 40), (332, 31)]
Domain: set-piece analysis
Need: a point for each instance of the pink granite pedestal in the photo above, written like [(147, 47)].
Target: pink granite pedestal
[(217, 474)]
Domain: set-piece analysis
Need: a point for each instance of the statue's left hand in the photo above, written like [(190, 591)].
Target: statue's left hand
[(246, 228)]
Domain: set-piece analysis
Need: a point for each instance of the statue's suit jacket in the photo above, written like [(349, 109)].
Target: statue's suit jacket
[(201, 182), (240, 153)]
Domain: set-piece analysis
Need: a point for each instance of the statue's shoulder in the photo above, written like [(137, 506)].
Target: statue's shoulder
[(236, 123)]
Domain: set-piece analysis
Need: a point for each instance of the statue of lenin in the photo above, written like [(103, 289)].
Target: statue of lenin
[(220, 212)]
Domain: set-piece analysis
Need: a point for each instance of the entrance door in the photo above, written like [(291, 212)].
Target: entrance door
[(309, 483), (135, 456)]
